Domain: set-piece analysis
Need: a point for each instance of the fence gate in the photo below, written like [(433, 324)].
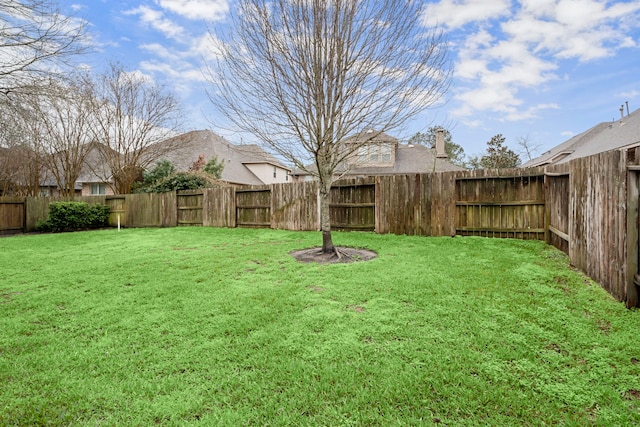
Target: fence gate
[(253, 207), (12, 216), (190, 207), (352, 205)]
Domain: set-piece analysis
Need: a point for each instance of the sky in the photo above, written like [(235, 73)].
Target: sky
[(534, 70)]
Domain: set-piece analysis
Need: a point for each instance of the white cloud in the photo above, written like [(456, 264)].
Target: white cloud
[(630, 94), (456, 13), (213, 10), (181, 75), (580, 29), (204, 47), (503, 48), (157, 21), (197, 49)]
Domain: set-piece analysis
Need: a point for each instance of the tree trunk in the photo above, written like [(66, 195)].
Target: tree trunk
[(325, 219)]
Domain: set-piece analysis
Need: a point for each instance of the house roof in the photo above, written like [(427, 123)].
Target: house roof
[(602, 137), (372, 136), (192, 144), (95, 168), (409, 159)]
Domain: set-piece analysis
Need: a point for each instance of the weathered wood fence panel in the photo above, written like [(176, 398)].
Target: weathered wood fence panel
[(151, 210), (557, 184), (219, 207), (443, 203), (117, 209), (501, 206), (295, 206), (190, 205), (597, 226), (633, 227), (12, 215), (253, 206), (352, 205), (403, 204)]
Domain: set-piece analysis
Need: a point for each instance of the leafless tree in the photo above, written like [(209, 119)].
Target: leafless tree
[(22, 169), (36, 41), (64, 115), (528, 149), (304, 75), (133, 117)]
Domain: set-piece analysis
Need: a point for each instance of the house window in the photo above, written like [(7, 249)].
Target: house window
[(275, 171), (385, 153), (374, 153), (98, 189)]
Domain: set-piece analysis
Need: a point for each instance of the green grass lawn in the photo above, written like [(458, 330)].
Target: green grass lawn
[(188, 326)]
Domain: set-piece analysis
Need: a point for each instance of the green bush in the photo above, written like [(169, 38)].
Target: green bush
[(182, 181), (162, 169), (70, 216)]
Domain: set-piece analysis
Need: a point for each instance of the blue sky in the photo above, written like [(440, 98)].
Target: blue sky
[(544, 70)]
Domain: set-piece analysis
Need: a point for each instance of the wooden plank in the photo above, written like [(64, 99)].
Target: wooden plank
[(502, 203), (352, 205), (363, 227), (255, 224), (563, 236), (633, 236), (252, 190), (219, 207), (500, 230)]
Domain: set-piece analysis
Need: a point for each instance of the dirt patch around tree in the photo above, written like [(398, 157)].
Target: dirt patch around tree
[(342, 255)]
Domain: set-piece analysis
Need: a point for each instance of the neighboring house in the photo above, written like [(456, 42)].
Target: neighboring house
[(95, 178), (384, 155), (243, 164), (607, 136)]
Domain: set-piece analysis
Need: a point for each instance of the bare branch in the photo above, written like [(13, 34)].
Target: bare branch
[(36, 42), (132, 115), (304, 75)]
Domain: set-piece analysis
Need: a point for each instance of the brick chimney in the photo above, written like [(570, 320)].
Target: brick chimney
[(440, 152)]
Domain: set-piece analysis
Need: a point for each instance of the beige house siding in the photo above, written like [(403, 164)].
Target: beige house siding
[(269, 173)]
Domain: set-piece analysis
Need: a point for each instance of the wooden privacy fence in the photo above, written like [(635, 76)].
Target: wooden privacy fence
[(587, 207), (467, 203)]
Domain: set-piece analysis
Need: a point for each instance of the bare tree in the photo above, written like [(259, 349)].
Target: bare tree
[(528, 149), (64, 117), (304, 75), (36, 40), (22, 168), (132, 116)]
